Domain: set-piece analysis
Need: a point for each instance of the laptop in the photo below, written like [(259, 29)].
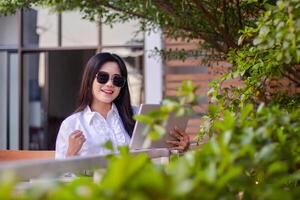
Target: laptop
[(138, 140)]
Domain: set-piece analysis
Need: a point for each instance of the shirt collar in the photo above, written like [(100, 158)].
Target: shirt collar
[(89, 114)]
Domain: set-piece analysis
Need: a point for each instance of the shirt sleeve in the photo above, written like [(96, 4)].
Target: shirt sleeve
[(62, 141)]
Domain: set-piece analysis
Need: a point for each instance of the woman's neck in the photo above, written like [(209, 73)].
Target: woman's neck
[(101, 107)]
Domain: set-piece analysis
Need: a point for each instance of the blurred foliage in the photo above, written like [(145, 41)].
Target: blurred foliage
[(252, 154)]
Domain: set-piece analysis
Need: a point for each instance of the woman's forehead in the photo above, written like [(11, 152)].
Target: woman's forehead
[(110, 67)]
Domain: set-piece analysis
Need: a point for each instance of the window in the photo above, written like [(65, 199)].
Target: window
[(9, 30), (122, 34), (40, 28), (77, 31)]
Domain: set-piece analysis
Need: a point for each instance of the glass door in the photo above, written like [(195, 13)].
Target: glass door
[(64, 75), (51, 85), (34, 106)]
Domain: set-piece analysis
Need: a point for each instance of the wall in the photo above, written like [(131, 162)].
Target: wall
[(195, 69), (153, 69)]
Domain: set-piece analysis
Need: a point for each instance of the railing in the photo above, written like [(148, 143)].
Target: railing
[(13, 155), (30, 169)]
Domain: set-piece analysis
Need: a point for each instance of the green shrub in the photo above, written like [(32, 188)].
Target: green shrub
[(252, 154)]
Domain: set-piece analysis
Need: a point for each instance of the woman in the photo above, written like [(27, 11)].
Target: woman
[(104, 112)]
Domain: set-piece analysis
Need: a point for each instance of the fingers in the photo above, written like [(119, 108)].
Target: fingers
[(173, 142), (81, 139), (178, 131), (177, 145), (76, 134), (76, 140), (181, 136), (175, 133), (182, 142)]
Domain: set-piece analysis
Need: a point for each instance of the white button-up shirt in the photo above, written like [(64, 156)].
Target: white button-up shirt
[(96, 129)]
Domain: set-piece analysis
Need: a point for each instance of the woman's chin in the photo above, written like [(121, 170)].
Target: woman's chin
[(106, 99)]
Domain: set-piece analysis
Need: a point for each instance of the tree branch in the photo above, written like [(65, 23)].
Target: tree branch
[(290, 77), (238, 8), (293, 73), (227, 38), (166, 8), (125, 10), (225, 19)]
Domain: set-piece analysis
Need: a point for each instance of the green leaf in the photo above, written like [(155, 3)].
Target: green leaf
[(144, 118), (210, 172), (230, 174), (246, 111), (180, 112), (213, 110), (229, 120), (267, 153), (277, 167), (121, 170), (160, 130), (153, 135), (108, 145)]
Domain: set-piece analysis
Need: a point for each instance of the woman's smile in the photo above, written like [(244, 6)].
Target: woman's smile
[(107, 91)]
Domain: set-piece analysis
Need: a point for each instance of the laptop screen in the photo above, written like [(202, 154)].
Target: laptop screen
[(138, 139)]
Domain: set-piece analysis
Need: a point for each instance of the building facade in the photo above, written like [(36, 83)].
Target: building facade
[(42, 56)]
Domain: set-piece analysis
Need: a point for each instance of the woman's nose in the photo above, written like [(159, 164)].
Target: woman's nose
[(109, 82)]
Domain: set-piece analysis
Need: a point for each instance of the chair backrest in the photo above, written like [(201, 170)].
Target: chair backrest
[(13, 155)]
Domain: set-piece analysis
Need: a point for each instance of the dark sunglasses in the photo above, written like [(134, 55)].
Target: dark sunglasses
[(117, 80)]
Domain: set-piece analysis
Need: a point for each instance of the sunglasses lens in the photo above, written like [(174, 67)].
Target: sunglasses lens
[(118, 81), (102, 77)]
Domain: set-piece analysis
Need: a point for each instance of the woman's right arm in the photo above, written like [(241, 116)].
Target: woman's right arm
[(68, 141)]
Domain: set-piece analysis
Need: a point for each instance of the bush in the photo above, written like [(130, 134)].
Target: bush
[(253, 154)]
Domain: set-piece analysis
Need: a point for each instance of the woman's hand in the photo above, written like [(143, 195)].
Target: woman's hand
[(183, 140), (76, 140)]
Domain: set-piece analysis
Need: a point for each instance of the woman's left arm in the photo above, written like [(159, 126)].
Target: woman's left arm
[(183, 140)]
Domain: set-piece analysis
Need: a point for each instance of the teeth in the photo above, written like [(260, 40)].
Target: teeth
[(107, 91)]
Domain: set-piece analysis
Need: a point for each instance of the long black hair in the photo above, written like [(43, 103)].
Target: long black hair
[(122, 101)]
